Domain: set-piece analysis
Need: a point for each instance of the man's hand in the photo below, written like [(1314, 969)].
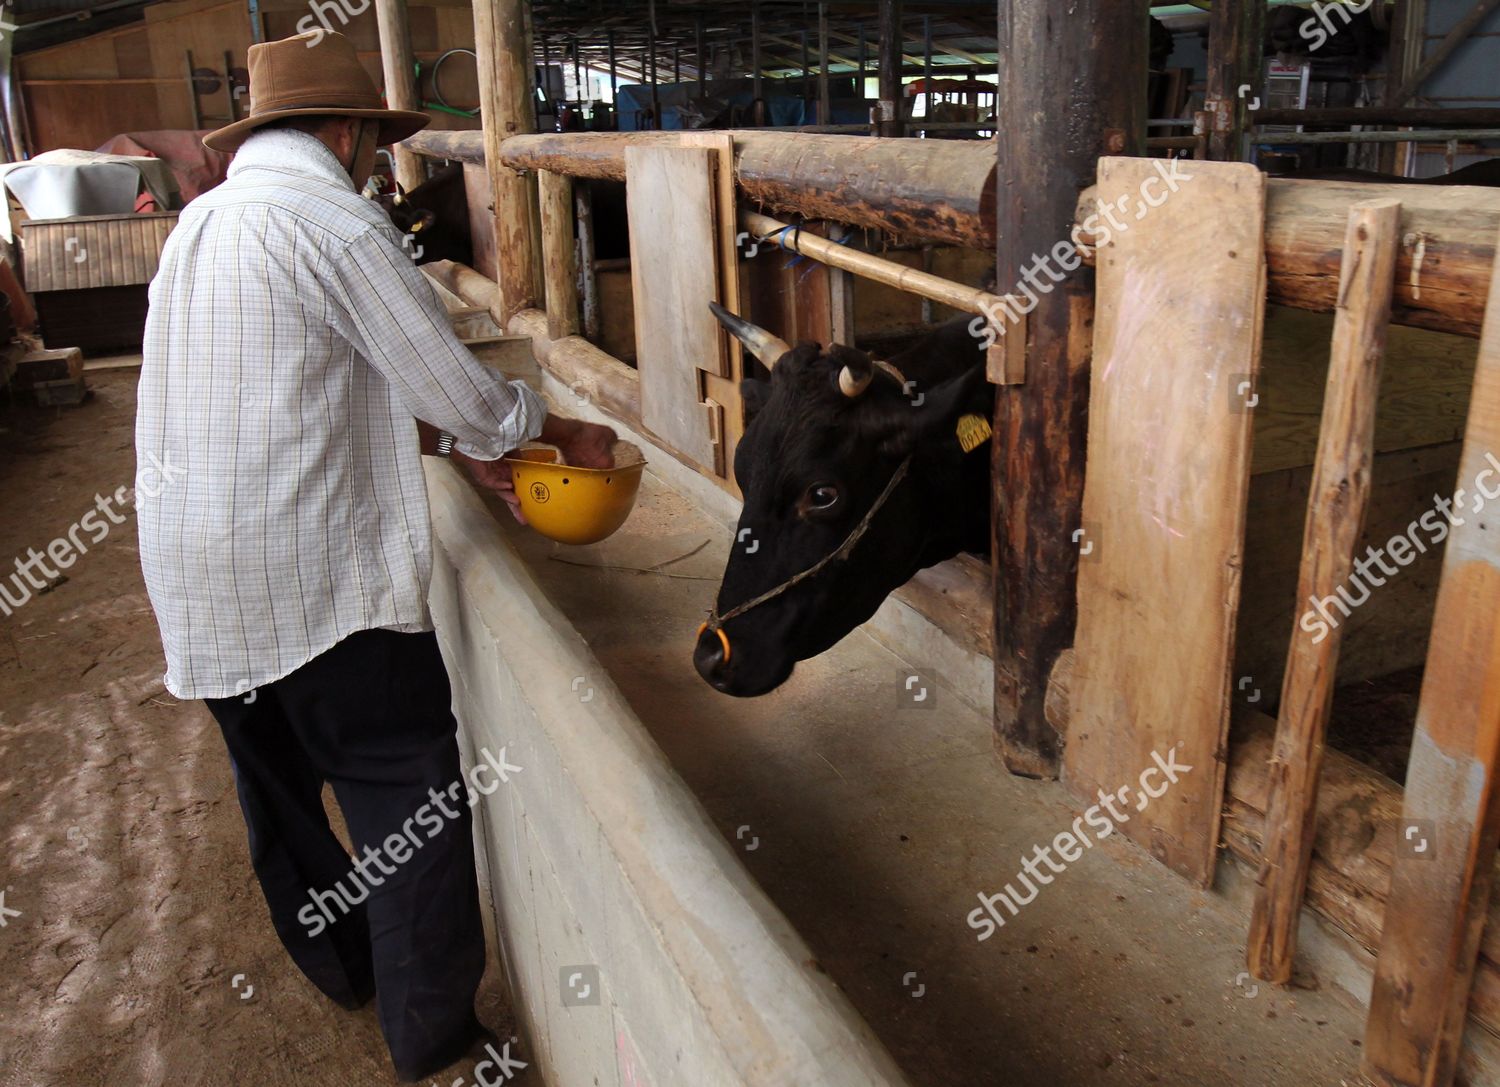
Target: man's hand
[(494, 476), (583, 445)]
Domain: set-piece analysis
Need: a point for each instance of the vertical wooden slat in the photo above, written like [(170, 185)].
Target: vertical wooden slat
[(1335, 514), (559, 272), (1445, 857)]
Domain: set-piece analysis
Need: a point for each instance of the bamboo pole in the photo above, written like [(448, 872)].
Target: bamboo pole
[(869, 266), (559, 270), (1335, 515), (503, 49), (399, 65)]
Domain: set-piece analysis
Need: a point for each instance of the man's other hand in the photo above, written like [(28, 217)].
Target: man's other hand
[(583, 445), (494, 476)]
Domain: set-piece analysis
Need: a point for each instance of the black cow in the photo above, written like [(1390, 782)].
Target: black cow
[(434, 216), (827, 436)]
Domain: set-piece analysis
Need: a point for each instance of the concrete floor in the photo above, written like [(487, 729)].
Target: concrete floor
[(873, 826)]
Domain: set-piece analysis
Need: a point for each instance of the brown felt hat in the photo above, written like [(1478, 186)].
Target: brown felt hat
[(317, 74)]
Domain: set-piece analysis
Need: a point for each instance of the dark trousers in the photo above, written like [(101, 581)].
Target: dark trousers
[(372, 717)]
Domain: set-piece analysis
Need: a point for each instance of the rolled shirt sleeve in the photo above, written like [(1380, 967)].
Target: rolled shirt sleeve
[(392, 315)]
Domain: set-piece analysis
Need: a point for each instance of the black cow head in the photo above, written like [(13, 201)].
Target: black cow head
[(825, 437)]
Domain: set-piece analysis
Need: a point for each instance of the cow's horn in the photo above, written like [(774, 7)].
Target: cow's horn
[(757, 341), (855, 379)]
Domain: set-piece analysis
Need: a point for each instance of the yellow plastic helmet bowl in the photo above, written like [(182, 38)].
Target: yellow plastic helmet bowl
[(576, 505)]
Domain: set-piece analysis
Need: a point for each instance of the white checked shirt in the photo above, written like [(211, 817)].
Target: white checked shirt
[(280, 496)]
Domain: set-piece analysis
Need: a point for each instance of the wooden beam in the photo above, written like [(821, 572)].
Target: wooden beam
[(1440, 885), (938, 190), (399, 65), (1442, 272), (1046, 157), (1335, 516), (506, 80), (604, 380), (1235, 32), (1455, 37), (559, 268)]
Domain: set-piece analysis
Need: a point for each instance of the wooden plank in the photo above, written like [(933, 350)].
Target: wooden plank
[(1181, 297), (559, 270), (93, 251), (727, 363), (1436, 909), (1335, 515), (669, 194)]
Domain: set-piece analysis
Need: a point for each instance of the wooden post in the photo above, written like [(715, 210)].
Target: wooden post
[(399, 64), (1445, 854), (1235, 30), (1335, 515), (1046, 157), (825, 107), (759, 108), (506, 80), (889, 107), (588, 283), (1460, 33), (559, 268)]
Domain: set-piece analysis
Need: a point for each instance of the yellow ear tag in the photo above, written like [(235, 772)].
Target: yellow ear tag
[(973, 431)]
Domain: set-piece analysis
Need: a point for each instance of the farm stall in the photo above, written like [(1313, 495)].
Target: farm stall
[(1146, 645), (1161, 421)]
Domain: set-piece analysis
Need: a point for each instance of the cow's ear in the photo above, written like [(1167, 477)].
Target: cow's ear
[(753, 395), (931, 415)]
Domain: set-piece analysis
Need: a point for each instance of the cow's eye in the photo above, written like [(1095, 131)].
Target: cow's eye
[(822, 496)]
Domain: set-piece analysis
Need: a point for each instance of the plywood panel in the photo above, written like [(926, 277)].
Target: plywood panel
[(674, 275), (79, 115), (1181, 298)]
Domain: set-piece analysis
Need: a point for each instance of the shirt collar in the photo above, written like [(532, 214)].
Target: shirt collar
[(292, 152)]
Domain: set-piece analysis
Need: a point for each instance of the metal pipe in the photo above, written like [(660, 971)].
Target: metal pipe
[(1434, 135)]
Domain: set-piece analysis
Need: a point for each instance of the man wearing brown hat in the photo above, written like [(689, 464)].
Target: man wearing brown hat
[(287, 547)]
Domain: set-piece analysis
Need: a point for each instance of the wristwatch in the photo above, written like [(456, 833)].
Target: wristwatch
[(444, 444)]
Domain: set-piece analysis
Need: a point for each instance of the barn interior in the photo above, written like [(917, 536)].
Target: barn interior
[(1223, 509)]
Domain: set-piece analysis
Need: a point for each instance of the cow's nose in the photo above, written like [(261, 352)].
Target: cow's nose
[(709, 656)]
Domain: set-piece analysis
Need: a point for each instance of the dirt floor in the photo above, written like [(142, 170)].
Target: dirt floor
[(136, 948)]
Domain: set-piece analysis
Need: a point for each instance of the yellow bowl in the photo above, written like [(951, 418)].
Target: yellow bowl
[(576, 505)]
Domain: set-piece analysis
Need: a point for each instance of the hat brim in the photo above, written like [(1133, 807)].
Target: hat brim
[(395, 125)]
